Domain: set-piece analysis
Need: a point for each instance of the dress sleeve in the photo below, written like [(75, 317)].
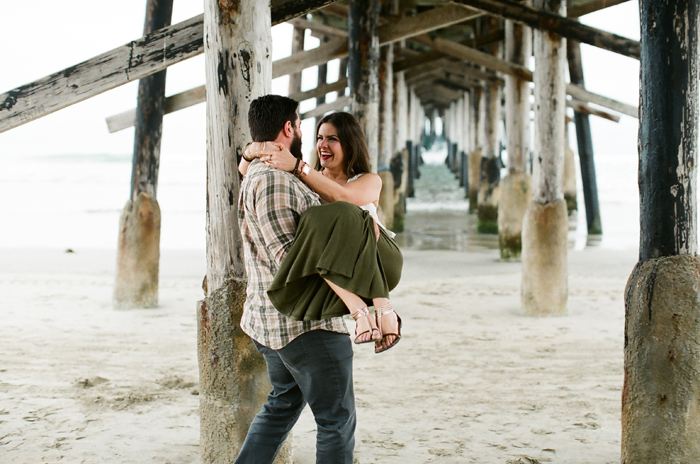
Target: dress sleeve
[(278, 207)]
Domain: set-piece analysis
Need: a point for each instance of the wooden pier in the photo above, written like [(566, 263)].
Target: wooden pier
[(405, 62)]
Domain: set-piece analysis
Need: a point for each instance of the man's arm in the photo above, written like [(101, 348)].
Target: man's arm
[(278, 208)]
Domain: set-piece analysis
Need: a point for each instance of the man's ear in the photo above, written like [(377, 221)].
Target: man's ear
[(289, 129)]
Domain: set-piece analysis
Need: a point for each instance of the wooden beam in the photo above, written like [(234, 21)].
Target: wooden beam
[(320, 110), (565, 27), (174, 103), (421, 23), (319, 27), (583, 108), (321, 90), (493, 63), (578, 8), (140, 58), (197, 95), (423, 58)]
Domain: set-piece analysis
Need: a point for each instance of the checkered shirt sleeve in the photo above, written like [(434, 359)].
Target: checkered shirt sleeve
[(269, 208)]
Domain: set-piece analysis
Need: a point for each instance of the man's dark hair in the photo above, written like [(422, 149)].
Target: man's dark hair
[(268, 115)]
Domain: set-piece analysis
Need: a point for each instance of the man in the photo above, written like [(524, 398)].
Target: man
[(308, 362)]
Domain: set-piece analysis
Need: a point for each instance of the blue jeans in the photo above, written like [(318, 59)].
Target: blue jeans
[(314, 368)]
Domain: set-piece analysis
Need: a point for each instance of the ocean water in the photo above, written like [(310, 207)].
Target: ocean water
[(75, 201)]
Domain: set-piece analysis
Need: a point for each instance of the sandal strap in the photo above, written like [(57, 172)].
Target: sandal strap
[(384, 309), (362, 312)]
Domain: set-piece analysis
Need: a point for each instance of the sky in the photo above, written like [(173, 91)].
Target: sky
[(45, 36)]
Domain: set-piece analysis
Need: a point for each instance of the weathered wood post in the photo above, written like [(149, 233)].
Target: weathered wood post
[(298, 36), (466, 141), (386, 140), (138, 250), (569, 178), (449, 128), (475, 152), (516, 186), (400, 166), (411, 144), (363, 71), (458, 147), (487, 201), (232, 374), (660, 415), (585, 144), (544, 289)]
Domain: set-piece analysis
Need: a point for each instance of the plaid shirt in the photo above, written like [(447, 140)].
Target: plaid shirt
[(269, 208)]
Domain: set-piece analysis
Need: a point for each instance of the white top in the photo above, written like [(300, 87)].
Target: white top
[(372, 210)]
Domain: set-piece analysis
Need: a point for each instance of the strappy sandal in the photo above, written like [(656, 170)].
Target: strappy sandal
[(364, 314), (381, 311)]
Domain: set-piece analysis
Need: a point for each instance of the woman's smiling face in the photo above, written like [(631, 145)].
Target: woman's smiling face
[(330, 153)]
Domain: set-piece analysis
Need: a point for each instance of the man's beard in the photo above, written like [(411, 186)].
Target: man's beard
[(295, 147)]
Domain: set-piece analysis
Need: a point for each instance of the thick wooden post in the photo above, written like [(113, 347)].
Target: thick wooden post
[(544, 289), (138, 251), (386, 139), (466, 141), (569, 177), (399, 163), (363, 71), (660, 414), (411, 144), (516, 186), (475, 149), (585, 144), (297, 46), (449, 140), (232, 374), (487, 202), (459, 145)]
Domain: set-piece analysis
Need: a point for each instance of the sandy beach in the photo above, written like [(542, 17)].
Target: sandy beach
[(472, 380)]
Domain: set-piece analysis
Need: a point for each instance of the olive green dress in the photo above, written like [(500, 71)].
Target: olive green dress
[(337, 242)]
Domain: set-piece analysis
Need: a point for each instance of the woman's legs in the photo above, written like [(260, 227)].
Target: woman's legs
[(366, 326)]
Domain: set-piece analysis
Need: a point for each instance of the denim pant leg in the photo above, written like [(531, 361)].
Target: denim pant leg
[(321, 363), (276, 418)]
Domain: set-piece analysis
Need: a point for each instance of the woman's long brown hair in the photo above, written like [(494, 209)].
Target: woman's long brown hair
[(352, 141)]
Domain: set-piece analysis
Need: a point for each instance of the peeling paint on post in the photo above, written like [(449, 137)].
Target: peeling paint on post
[(138, 250), (660, 416), (544, 290), (363, 71), (516, 186), (233, 378)]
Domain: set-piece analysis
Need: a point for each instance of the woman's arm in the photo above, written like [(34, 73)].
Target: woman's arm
[(251, 151), (360, 192)]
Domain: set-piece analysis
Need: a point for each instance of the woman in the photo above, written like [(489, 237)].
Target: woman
[(338, 243)]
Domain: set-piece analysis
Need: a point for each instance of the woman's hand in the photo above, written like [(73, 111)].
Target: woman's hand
[(253, 149), (278, 156)]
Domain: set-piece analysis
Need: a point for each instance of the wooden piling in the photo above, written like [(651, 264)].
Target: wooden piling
[(569, 177), (516, 186), (138, 250), (399, 162), (386, 133), (297, 46), (363, 72), (475, 152), (490, 175), (660, 415), (233, 377), (584, 141), (544, 289)]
